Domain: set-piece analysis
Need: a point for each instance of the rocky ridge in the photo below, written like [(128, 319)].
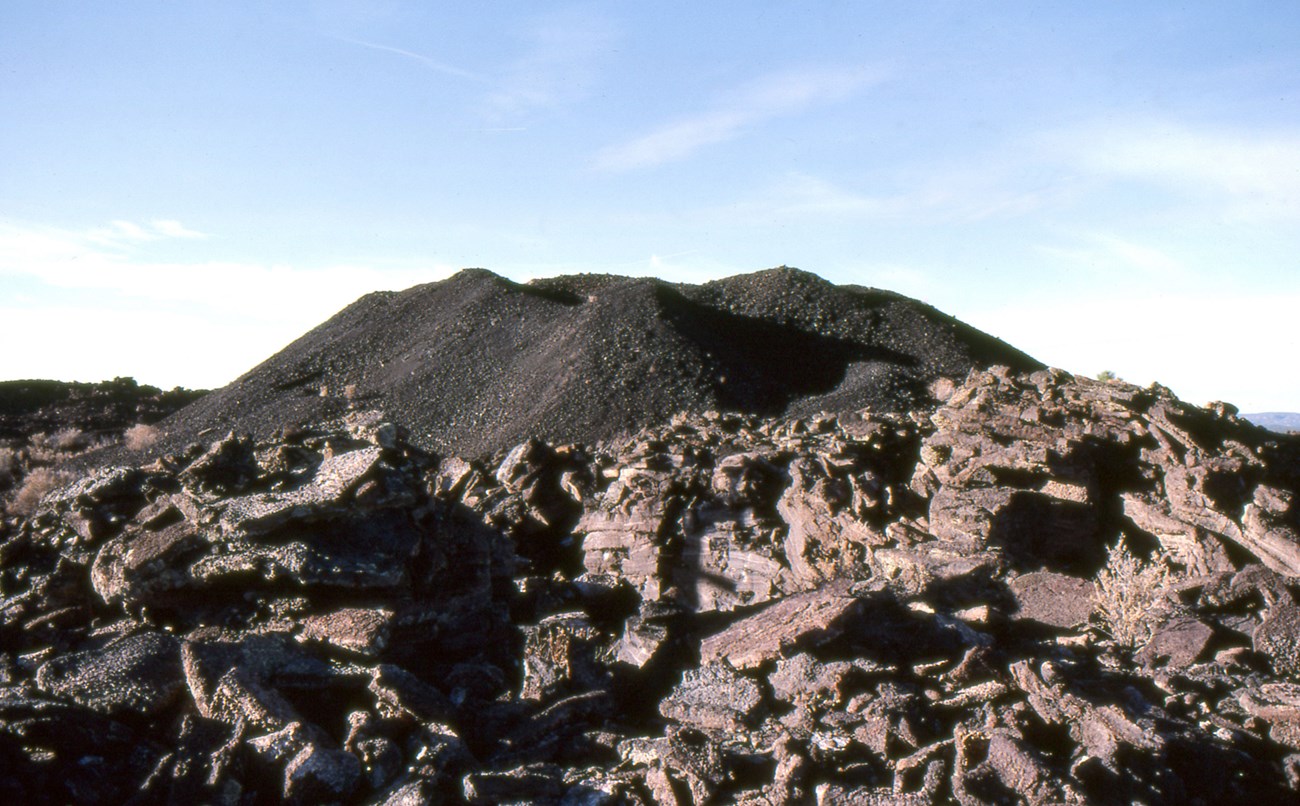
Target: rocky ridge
[(1286, 422), (94, 409), (1045, 590)]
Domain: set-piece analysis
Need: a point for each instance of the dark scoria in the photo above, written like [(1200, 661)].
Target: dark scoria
[(856, 609), (475, 364)]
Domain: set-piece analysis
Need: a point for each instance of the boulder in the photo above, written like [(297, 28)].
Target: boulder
[(823, 539), (714, 698), (1177, 643), (800, 621), (1053, 600), (561, 654), (1278, 704), (1278, 638), (361, 630), (335, 477), (138, 673)]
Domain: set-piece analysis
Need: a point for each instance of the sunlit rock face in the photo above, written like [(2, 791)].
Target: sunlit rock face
[(1038, 587)]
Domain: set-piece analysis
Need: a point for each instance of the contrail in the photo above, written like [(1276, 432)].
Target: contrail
[(436, 66)]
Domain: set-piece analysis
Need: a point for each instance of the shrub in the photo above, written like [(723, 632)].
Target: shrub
[(8, 462), (66, 440), (51, 447), (40, 448), (38, 482), (140, 436), (1132, 597)]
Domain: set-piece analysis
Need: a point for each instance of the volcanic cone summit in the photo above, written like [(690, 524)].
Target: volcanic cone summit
[(476, 363)]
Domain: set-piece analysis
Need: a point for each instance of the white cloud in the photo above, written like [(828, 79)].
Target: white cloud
[(121, 233), (798, 199), (801, 194), (934, 195), (127, 230), (672, 142), (1174, 172), (225, 315), (158, 345), (771, 96), (174, 229), (1204, 346), (115, 259), (1144, 258), (1253, 175)]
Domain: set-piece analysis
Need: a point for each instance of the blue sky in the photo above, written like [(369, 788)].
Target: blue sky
[(185, 187)]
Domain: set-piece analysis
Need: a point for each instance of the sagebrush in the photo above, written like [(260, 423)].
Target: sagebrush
[(67, 440), (1132, 596), (140, 436), (35, 486)]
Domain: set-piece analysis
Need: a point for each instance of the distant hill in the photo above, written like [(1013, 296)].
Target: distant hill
[(476, 363), (1282, 421), (32, 406)]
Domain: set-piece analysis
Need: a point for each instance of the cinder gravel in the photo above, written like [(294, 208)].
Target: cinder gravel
[(476, 363)]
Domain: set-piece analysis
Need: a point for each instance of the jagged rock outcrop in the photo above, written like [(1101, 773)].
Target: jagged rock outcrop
[(843, 609)]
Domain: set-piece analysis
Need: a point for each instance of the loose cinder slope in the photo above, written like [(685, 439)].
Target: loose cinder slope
[(477, 363)]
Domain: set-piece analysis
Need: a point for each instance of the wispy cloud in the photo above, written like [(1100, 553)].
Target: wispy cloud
[(1251, 174), (115, 258), (769, 97), (125, 232), (1177, 172), (912, 200), (1123, 257), (432, 64), (800, 194), (555, 63), (557, 66)]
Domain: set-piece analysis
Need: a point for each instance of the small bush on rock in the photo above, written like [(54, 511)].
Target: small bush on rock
[(1131, 599), (140, 436)]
